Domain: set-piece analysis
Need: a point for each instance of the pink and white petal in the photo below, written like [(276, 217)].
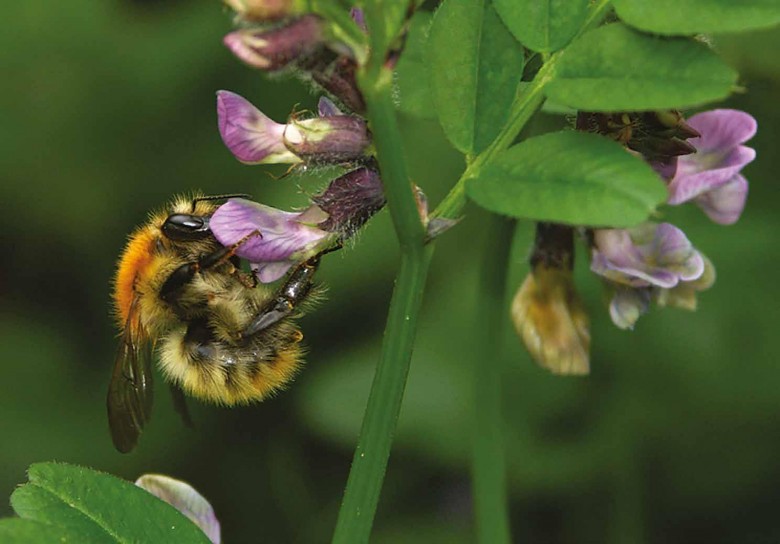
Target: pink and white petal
[(251, 136), (185, 499), (269, 234), (721, 129), (270, 272), (724, 204), (670, 245), (684, 188), (728, 161)]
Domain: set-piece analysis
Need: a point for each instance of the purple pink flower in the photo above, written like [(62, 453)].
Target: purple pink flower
[(279, 47), (711, 176), (648, 262), (275, 240), (650, 254), (254, 138), (251, 136)]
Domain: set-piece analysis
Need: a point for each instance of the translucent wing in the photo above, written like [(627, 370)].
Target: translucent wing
[(130, 391)]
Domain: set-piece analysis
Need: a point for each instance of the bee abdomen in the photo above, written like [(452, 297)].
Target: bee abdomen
[(229, 374)]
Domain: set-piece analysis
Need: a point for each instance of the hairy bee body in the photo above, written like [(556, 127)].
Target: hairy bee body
[(208, 359), (220, 336)]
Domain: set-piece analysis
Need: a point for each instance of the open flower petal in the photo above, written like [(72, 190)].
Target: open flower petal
[(717, 162), (721, 129), (185, 499), (251, 136), (267, 236), (649, 254), (695, 178), (683, 295), (724, 204)]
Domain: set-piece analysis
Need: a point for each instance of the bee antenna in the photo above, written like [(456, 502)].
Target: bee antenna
[(217, 197)]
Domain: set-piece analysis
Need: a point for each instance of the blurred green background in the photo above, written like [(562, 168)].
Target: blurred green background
[(108, 109)]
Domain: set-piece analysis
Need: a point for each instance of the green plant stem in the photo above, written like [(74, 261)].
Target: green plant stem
[(525, 104), (488, 463), (384, 402)]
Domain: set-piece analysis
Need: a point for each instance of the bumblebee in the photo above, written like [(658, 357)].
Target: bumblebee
[(220, 337)]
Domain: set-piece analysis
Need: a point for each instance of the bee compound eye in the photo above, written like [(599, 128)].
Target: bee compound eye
[(182, 227)]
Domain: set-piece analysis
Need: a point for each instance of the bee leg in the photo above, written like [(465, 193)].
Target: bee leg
[(184, 274), (294, 290)]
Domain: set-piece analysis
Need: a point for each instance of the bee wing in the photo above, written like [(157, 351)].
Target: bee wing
[(130, 391)]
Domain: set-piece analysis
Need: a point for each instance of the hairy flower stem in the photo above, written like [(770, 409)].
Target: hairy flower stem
[(488, 469)]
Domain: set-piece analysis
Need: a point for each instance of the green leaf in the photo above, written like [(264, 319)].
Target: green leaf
[(543, 25), (698, 16), (25, 531), (569, 177), (100, 507), (614, 68), (475, 67), (412, 75)]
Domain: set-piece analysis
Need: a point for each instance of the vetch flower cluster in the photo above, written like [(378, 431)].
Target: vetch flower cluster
[(657, 262), (700, 160), (273, 240)]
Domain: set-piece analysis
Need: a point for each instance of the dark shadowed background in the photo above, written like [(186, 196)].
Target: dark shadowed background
[(108, 109)]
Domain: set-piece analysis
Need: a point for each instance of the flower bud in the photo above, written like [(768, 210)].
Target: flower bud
[(547, 311), (351, 200), (250, 135), (265, 10), (277, 48), (331, 139), (336, 74)]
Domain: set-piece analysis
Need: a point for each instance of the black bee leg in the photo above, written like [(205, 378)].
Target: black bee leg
[(184, 274), (294, 290)]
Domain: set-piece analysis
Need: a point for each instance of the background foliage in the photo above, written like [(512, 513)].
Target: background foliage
[(108, 109)]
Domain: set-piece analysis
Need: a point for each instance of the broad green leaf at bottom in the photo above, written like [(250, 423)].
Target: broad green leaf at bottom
[(100, 507)]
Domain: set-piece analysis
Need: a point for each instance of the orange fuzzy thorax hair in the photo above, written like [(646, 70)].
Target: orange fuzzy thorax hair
[(135, 261)]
